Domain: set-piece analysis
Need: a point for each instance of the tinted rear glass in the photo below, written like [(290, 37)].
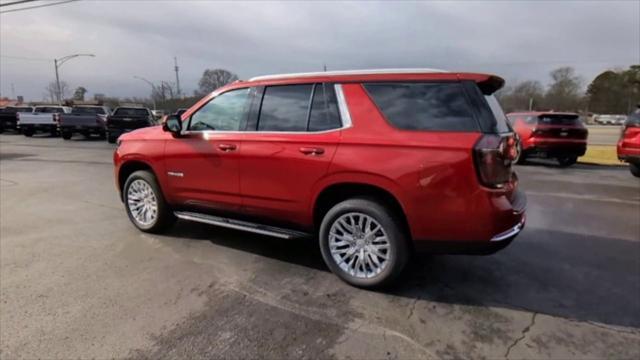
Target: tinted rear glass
[(12, 110), (633, 118), (324, 109), (131, 112), (87, 110), (551, 119), (424, 106), (285, 108)]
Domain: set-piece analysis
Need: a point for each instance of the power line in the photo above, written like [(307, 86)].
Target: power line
[(17, 2), (38, 6), (24, 58)]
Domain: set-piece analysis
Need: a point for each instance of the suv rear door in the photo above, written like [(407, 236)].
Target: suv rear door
[(292, 136), (202, 164)]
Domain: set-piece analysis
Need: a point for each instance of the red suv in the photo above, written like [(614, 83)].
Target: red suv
[(629, 143), (549, 135), (373, 163)]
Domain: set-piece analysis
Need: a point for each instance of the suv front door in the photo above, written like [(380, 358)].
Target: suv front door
[(202, 164)]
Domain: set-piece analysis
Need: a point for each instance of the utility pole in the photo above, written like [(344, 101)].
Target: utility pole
[(13, 91), (57, 63), (175, 61), (530, 104)]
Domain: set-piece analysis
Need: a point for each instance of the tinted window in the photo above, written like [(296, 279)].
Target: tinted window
[(324, 109), (285, 108), (225, 112), (87, 110), (424, 106), (48, 110), (131, 112)]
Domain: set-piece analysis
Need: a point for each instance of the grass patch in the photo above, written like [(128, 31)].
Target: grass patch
[(601, 155)]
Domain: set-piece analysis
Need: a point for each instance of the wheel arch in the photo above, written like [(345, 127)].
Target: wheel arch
[(337, 192), (128, 168)]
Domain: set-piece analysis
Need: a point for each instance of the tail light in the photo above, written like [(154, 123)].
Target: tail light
[(493, 155), (56, 118), (17, 118)]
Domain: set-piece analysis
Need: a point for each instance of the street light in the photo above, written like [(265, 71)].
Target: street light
[(57, 63), (153, 89)]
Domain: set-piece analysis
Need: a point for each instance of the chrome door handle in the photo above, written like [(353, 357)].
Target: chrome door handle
[(312, 151), (227, 147)]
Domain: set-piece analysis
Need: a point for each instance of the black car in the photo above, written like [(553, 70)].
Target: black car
[(8, 118), (125, 119)]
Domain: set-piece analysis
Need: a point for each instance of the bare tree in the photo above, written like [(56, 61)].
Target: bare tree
[(213, 79), (564, 92), (522, 95), (51, 90), (78, 94)]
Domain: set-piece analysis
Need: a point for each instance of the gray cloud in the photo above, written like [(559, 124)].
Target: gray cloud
[(518, 40)]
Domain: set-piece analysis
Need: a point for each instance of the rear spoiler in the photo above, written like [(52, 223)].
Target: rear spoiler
[(491, 84)]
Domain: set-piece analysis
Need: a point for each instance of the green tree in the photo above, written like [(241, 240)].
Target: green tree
[(78, 94), (615, 92)]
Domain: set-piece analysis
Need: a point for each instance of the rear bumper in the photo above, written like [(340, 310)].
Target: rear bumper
[(39, 127), (507, 219), (82, 128), (555, 148), (628, 154)]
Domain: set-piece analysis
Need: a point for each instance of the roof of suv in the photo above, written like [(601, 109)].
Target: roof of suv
[(491, 81)]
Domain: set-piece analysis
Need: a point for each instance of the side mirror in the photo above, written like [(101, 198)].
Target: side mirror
[(173, 124)]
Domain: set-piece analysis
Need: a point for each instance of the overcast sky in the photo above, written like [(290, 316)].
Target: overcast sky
[(517, 40)]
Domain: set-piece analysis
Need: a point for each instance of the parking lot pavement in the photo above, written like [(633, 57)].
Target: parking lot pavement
[(78, 280)]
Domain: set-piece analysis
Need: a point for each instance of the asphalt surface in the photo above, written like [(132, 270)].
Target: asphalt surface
[(77, 280)]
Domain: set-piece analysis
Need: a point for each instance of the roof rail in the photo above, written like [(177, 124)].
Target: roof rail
[(350, 72)]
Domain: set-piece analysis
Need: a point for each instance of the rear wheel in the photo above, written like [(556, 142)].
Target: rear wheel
[(363, 243), (566, 161), (28, 132), (111, 139), (145, 204), (66, 135), (635, 169)]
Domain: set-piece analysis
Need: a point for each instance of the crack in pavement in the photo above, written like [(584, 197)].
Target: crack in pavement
[(413, 307), (522, 336)]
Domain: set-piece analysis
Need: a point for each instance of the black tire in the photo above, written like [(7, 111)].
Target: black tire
[(102, 136), (27, 132), (566, 161), (1, 129), (635, 169), (398, 247), (164, 218), (111, 139), (67, 135)]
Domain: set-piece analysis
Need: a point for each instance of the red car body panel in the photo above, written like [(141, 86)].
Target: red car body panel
[(545, 137), (433, 178), (628, 146)]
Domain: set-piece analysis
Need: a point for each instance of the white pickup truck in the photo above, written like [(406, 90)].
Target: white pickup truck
[(43, 118)]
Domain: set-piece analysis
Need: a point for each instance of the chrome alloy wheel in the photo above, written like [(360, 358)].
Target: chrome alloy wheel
[(142, 202), (359, 245)]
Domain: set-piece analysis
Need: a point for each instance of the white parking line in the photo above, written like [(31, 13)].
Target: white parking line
[(633, 201)]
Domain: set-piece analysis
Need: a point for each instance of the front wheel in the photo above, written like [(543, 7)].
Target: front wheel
[(635, 169), (566, 161), (363, 243), (66, 135), (145, 204)]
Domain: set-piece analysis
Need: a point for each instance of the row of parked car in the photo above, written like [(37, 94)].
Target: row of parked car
[(67, 121)]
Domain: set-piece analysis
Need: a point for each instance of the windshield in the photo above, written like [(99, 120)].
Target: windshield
[(131, 112), (502, 125), (87, 110)]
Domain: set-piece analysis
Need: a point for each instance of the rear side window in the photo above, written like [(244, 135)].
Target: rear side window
[(285, 108), (324, 109), (424, 106)]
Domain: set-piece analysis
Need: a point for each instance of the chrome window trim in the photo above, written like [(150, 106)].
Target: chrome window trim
[(345, 119)]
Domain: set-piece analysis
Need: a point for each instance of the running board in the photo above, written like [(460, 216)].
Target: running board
[(240, 225)]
